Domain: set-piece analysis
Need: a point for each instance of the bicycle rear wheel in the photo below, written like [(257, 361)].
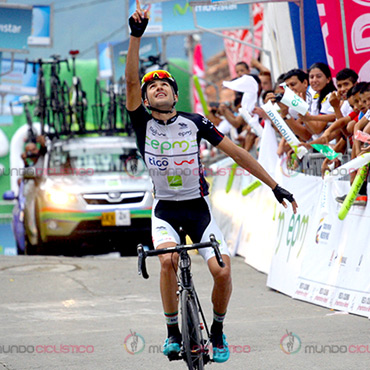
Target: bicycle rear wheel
[(191, 332)]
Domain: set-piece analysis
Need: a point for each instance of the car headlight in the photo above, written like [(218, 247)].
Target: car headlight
[(59, 197)]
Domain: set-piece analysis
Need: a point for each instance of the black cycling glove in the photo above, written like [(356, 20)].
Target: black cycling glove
[(137, 29), (281, 194)]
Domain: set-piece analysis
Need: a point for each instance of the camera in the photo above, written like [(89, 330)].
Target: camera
[(278, 97)]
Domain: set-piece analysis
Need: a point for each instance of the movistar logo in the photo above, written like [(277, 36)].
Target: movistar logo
[(178, 9)]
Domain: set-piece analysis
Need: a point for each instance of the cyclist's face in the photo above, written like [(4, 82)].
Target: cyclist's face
[(160, 94)]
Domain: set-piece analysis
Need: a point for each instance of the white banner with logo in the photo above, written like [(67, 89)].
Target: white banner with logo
[(312, 255)]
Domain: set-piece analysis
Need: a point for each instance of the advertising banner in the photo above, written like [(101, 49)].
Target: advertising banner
[(15, 27), (176, 16), (311, 255), (357, 21), (155, 15), (105, 64), (346, 29), (15, 84), (41, 34), (332, 32)]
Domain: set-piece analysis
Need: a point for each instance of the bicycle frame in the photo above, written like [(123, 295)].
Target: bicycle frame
[(194, 349)]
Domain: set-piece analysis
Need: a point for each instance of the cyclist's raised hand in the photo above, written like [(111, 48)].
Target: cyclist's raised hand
[(138, 21), (281, 194)]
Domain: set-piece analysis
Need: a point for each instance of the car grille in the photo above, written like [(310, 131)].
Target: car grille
[(114, 198), (95, 226)]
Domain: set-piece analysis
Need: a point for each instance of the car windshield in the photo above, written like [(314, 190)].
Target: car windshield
[(68, 159)]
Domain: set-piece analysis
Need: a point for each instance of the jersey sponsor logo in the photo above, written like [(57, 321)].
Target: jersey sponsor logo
[(182, 162), (164, 146), (175, 182), (185, 133), (183, 126), (155, 132), (162, 164)]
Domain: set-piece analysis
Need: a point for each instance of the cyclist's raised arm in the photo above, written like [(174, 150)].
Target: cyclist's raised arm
[(137, 22)]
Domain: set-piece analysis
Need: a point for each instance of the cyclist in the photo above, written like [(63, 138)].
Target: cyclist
[(169, 143)]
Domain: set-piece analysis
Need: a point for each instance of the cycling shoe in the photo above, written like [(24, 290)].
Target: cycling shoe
[(221, 353), (172, 346)]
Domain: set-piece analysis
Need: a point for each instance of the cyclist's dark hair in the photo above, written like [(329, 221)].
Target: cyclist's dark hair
[(347, 73), (324, 68), (301, 75), (365, 87), (243, 64)]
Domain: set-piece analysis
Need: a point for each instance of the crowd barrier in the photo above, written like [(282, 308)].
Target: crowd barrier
[(312, 255)]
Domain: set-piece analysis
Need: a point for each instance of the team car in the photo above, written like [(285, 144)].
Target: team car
[(89, 190)]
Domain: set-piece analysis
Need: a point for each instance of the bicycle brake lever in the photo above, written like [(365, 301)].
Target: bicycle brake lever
[(218, 255), (141, 261)]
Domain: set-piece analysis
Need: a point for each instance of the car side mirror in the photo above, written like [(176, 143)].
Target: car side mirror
[(9, 195)]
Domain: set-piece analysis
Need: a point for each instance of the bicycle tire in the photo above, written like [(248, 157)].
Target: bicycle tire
[(191, 332), (99, 106)]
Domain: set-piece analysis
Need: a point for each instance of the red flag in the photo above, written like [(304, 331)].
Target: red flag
[(237, 52)]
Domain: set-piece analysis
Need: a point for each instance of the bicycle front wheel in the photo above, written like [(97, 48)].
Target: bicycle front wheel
[(191, 332)]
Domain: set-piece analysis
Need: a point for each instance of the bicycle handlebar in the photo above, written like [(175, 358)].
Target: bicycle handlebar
[(144, 252), (41, 62)]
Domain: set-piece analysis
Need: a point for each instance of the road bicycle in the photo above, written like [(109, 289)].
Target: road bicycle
[(194, 348), (78, 100), (151, 63), (41, 108), (26, 101), (121, 102), (57, 97)]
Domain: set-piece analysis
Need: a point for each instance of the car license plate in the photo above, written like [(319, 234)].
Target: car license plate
[(117, 218)]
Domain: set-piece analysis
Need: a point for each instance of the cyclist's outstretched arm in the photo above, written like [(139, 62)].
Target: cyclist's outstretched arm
[(138, 22), (245, 160)]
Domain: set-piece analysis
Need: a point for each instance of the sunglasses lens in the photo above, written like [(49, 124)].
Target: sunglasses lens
[(155, 75)]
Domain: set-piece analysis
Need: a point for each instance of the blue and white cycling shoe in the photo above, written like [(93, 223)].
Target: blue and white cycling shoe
[(221, 353), (171, 346)]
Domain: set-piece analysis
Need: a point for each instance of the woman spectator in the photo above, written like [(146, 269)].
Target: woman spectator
[(320, 113)]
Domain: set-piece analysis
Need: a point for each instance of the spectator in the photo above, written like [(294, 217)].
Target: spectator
[(241, 69), (266, 83), (320, 111), (345, 79)]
